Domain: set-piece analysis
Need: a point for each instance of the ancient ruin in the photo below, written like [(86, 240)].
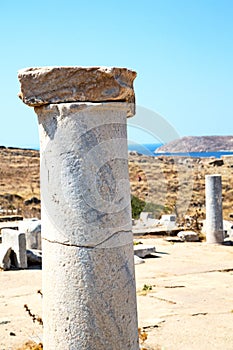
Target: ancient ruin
[(214, 218), (88, 261)]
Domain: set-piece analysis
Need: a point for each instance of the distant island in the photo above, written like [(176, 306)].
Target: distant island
[(198, 144)]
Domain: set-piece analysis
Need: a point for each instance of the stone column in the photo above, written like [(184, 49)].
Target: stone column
[(214, 219), (88, 269)]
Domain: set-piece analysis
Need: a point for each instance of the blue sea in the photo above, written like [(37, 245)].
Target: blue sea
[(148, 149)]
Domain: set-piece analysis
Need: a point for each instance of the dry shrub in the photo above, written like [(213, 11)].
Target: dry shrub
[(31, 345)]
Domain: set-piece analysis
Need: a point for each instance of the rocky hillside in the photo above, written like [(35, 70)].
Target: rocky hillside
[(19, 182), (198, 144), (177, 184), (172, 184)]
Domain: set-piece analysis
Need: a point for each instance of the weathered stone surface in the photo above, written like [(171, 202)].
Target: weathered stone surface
[(138, 261), (84, 151), (214, 218), (89, 298), (45, 85), (17, 242), (5, 260), (34, 257), (173, 239), (32, 230), (89, 294), (142, 250), (88, 268), (188, 236)]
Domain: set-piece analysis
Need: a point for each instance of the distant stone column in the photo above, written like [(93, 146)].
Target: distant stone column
[(88, 267), (214, 219)]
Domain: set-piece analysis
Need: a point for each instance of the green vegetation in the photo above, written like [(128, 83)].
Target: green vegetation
[(137, 242), (139, 205), (147, 287)]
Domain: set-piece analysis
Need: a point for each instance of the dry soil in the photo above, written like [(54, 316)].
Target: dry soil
[(188, 304)]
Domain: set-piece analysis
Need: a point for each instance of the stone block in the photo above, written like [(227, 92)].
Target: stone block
[(188, 236), (16, 240), (142, 250), (32, 230), (5, 261), (46, 85), (34, 257), (138, 261)]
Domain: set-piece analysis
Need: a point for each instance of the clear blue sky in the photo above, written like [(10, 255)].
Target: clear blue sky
[(182, 51)]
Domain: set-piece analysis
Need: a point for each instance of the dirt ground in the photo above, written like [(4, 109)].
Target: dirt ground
[(190, 306), (188, 303)]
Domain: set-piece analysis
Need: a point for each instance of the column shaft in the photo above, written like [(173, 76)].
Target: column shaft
[(214, 219), (88, 268)]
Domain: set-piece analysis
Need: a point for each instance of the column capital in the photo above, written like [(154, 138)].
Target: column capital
[(48, 85)]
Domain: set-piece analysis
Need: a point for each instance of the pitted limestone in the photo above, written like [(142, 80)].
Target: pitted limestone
[(45, 85), (84, 151)]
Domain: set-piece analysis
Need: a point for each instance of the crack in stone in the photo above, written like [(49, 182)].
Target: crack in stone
[(208, 271), (200, 314), (89, 246), (81, 102), (163, 299), (108, 238), (190, 314), (70, 244)]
